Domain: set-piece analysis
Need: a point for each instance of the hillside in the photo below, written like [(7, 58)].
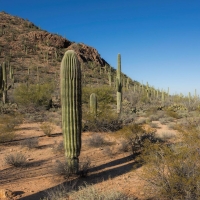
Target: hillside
[(32, 51)]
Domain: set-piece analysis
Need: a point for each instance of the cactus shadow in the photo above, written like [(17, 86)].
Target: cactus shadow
[(96, 175)]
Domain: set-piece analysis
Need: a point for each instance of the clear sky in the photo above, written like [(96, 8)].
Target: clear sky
[(159, 40)]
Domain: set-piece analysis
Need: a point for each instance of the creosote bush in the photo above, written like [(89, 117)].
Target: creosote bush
[(104, 94), (96, 140), (30, 143), (8, 122), (173, 171), (33, 94), (47, 128), (135, 136)]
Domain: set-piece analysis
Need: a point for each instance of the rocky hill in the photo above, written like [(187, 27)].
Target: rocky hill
[(35, 55)]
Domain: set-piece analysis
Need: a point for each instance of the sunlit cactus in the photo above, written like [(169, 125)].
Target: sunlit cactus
[(70, 74), (119, 86), (93, 104)]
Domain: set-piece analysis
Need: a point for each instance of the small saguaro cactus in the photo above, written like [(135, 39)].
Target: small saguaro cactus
[(119, 85), (4, 85), (93, 104), (70, 75), (1, 77), (127, 83)]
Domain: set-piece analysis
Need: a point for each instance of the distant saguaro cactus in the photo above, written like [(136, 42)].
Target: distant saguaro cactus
[(4, 81), (93, 104), (70, 74), (119, 85)]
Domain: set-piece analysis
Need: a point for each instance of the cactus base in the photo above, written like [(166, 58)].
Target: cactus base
[(73, 164)]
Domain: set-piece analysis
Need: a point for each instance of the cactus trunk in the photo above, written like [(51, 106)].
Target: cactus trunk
[(71, 108), (119, 85), (4, 87)]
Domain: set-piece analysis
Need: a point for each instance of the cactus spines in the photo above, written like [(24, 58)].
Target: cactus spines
[(119, 85), (70, 74), (93, 104)]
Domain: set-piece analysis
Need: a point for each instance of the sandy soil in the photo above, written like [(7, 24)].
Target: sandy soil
[(109, 171)]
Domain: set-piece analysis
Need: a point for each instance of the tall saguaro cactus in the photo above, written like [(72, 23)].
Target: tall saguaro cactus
[(119, 85), (70, 74)]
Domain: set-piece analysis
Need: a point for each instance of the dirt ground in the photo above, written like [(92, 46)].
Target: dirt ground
[(108, 171)]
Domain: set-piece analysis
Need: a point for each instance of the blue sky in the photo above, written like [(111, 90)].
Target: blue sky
[(159, 40)]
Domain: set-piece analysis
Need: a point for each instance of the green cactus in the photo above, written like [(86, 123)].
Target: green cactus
[(127, 83), (93, 104), (1, 77), (70, 75), (4, 85), (163, 98), (119, 86), (10, 71)]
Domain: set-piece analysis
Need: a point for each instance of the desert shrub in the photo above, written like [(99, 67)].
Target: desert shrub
[(172, 125), (62, 169), (166, 135), (173, 171), (172, 114), (123, 146), (58, 193), (8, 123), (105, 121), (153, 125), (136, 135), (96, 140), (163, 120), (84, 167), (33, 94), (89, 192), (153, 117), (30, 143), (105, 94), (16, 159), (140, 121), (108, 151), (47, 128)]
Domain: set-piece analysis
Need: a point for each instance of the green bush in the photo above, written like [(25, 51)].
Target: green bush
[(172, 171), (33, 94), (8, 122), (47, 128), (105, 94)]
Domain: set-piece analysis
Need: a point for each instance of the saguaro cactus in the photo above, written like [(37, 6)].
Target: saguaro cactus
[(119, 85), (70, 74), (4, 85), (93, 104)]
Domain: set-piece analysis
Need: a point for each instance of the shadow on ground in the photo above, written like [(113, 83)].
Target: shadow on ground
[(96, 175)]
